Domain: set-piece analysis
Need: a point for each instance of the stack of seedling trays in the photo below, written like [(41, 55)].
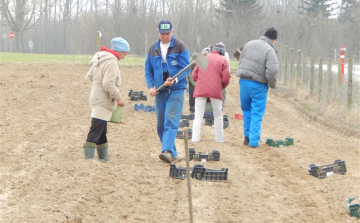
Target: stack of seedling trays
[(198, 171), (137, 96), (209, 119)]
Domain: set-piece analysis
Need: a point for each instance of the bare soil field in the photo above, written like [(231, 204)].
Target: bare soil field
[(45, 117)]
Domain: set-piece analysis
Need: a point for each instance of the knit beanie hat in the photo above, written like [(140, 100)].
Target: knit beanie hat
[(271, 33), (119, 44), (206, 51), (220, 48)]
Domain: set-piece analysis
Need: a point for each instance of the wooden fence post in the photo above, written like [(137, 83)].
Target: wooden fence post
[(97, 41), (339, 87), (280, 58), (286, 65), (304, 72), (312, 75), (350, 83), (320, 79), (298, 68), (292, 74), (329, 81), (198, 43)]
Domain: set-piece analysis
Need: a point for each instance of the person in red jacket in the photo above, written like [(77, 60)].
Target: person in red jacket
[(210, 84)]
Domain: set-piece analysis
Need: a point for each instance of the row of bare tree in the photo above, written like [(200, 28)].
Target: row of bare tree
[(70, 26)]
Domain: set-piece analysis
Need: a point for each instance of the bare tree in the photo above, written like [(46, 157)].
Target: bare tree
[(20, 16), (234, 22)]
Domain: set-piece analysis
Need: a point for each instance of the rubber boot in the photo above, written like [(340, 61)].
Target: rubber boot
[(246, 141), (102, 151), (89, 150)]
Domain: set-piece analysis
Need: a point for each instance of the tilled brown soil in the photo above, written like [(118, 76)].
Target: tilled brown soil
[(45, 117)]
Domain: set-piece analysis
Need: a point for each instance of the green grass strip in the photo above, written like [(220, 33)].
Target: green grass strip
[(32, 58), (27, 58)]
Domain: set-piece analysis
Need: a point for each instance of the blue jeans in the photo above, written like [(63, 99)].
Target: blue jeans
[(169, 105), (253, 96)]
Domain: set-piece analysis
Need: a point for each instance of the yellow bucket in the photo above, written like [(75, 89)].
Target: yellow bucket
[(116, 115)]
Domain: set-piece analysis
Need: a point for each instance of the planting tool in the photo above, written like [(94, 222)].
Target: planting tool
[(201, 61), (237, 53)]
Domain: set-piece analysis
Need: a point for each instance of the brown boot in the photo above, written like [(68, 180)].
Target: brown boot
[(166, 156)]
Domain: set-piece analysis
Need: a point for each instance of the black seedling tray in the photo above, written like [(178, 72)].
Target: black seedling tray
[(321, 171), (180, 134), (213, 156), (136, 96), (276, 143), (199, 172), (184, 123), (188, 117)]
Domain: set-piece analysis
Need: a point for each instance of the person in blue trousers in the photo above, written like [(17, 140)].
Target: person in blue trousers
[(167, 57), (258, 68)]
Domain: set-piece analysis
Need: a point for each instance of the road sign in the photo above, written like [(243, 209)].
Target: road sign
[(31, 44), (11, 35)]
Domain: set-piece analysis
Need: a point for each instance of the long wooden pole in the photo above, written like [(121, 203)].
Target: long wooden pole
[(188, 174)]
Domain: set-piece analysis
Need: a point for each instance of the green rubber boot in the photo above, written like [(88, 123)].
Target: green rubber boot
[(102, 151), (89, 150)]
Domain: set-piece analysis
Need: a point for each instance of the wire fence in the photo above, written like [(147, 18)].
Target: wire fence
[(324, 80)]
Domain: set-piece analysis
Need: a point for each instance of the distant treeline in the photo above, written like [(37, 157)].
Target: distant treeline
[(70, 26)]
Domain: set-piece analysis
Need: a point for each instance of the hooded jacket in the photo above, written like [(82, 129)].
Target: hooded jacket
[(105, 76), (177, 58), (259, 62), (211, 81)]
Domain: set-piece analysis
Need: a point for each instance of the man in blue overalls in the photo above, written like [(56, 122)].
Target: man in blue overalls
[(166, 57)]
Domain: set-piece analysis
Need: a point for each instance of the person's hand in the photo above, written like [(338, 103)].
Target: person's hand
[(169, 82), (120, 102), (152, 92)]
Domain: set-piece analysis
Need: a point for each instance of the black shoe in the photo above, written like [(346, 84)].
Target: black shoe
[(246, 141)]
